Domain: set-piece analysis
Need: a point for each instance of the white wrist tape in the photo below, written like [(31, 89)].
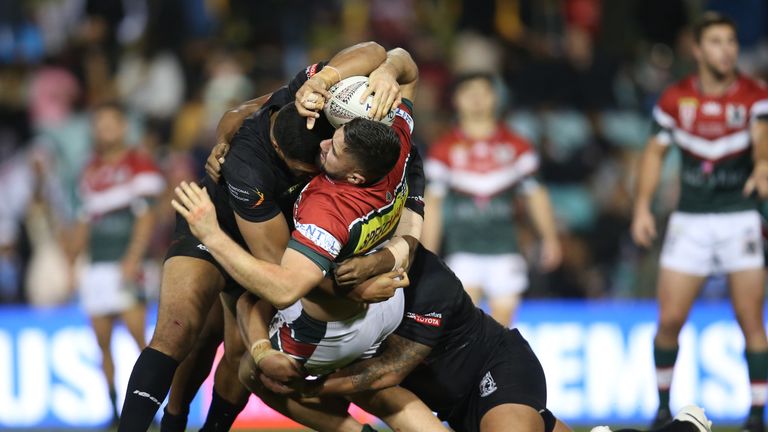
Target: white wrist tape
[(400, 250)]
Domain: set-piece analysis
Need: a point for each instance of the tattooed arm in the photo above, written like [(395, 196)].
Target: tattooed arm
[(399, 358)]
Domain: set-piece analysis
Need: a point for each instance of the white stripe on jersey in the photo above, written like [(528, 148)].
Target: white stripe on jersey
[(759, 108), (665, 120), (491, 183), (712, 149)]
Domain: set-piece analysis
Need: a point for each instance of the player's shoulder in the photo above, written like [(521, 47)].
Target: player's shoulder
[(753, 88), (684, 87), (443, 144), (140, 161), (511, 137)]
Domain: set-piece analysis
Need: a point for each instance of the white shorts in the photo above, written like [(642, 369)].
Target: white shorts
[(712, 243), (496, 275), (103, 292), (323, 346)]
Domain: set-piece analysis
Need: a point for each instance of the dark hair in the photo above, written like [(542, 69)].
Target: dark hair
[(375, 146), (709, 19), (471, 76), (294, 139)]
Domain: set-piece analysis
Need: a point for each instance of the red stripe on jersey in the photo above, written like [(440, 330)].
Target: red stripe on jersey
[(291, 346)]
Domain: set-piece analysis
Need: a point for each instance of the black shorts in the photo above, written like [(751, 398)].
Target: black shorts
[(184, 243), (512, 375)]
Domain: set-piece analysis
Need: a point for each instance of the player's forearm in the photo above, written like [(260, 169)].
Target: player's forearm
[(74, 241), (401, 62), (232, 120), (252, 318), (541, 214), (267, 280), (141, 235), (433, 222), (359, 59), (648, 176)]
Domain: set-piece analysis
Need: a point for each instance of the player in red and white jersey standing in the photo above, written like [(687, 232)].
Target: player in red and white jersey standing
[(719, 120), (475, 172), (117, 189)]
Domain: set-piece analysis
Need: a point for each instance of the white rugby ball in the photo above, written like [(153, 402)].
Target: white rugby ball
[(345, 105)]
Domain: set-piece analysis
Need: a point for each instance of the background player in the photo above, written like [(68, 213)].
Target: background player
[(718, 119), (474, 172), (117, 190)]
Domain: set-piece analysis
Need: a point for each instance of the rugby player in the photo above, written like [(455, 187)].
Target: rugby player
[(263, 177), (717, 118)]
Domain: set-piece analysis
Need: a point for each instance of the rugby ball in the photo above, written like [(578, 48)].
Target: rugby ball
[(345, 105)]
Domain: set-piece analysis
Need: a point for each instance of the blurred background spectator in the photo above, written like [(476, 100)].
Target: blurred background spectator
[(580, 78)]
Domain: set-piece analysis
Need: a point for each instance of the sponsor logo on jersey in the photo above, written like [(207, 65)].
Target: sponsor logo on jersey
[(735, 115), (238, 194), (487, 385), (320, 237), (405, 116), (431, 319), (260, 200), (687, 108), (711, 108), (202, 247)]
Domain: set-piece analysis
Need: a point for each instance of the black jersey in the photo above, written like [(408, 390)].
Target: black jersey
[(439, 314)]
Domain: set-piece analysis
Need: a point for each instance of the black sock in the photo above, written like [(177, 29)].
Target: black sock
[(221, 414), (674, 426), (113, 399), (173, 422), (147, 388)]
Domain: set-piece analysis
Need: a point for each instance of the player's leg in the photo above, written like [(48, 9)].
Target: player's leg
[(135, 320), (102, 327), (748, 296), (321, 414), (676, 293), (506, 279), (686, 260), (400, 409), (188, 289), (193, 371), (229, 395)]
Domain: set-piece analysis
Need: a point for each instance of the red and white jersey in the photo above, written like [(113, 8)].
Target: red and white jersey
[(480, 168), (709, 128), (109, 186), (335, 220)]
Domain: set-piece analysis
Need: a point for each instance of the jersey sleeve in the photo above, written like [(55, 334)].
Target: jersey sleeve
[(759, 108), (320, 232), (664, 117), (403, 122), (147, 181), (249, 180), (437, 169), (416, 182)]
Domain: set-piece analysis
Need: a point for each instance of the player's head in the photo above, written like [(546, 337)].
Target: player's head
[(108, 126), (298, 145), (361, 152), (716, 48), (474, 95)]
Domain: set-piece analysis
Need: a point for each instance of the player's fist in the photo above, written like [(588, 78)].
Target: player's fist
[(643, 228), (311, 97), (758, 181), (382, 83), (216, 159), (382, 287)]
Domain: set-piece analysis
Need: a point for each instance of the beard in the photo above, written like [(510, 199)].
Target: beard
[(716, 73)]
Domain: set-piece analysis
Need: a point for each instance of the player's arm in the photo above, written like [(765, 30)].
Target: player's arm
[(540, 211), (141, 236), (399, 358), (229, 124), (758, 180), (647, 180), (281, 285), (433, 220)]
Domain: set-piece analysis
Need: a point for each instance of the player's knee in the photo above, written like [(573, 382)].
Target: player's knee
[(175, 337), (671, 324)]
